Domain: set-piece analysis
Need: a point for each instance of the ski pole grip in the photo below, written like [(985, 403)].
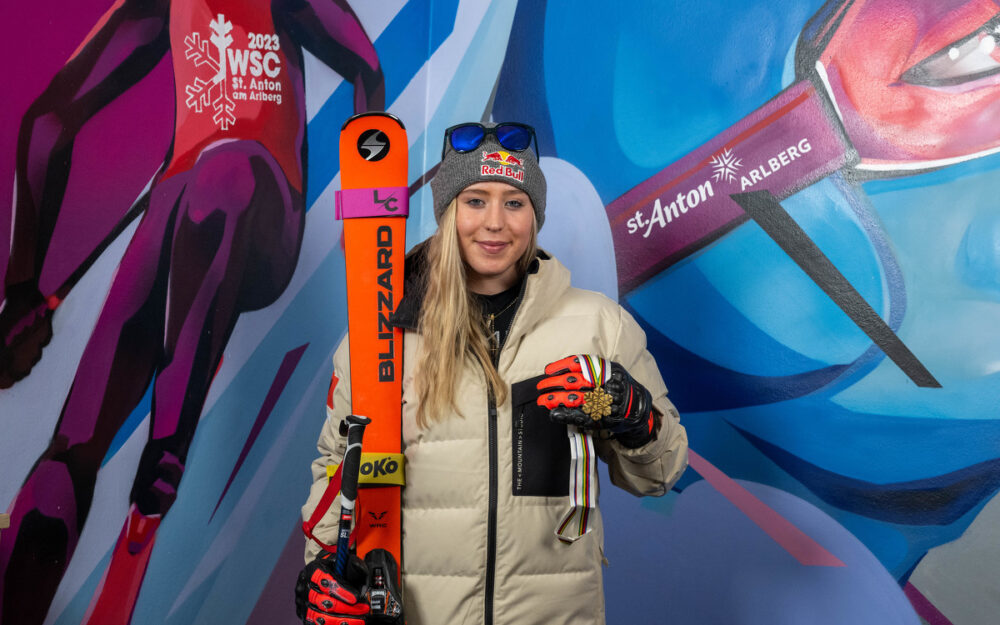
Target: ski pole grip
[(349, 485), (352, 457)]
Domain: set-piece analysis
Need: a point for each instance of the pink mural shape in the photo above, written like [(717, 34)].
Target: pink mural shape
[(281, 379), (784, 146), (924, 607), (793, 540)]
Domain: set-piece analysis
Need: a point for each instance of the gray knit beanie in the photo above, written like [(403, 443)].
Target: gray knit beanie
[(489, 162)]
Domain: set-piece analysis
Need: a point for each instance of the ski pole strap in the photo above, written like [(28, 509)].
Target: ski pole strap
[(582, 487), (332, 488), (377, 469), (373, 202)]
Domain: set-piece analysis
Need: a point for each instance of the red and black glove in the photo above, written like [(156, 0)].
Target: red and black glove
[(324, 598), (593, 393)]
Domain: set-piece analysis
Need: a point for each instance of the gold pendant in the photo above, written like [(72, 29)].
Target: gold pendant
[(597, 403), (491, 337)]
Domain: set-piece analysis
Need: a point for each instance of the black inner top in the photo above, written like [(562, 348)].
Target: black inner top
[(498, 313)]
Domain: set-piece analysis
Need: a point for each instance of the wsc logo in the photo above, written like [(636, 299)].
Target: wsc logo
[(224, 84)]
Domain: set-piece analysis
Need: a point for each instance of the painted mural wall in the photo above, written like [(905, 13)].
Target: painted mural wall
[(796, 199)]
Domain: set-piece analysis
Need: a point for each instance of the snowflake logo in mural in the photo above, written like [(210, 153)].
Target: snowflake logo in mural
[(725, 166), (212, 93)]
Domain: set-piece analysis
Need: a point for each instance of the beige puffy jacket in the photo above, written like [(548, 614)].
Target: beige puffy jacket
[(449, 529)]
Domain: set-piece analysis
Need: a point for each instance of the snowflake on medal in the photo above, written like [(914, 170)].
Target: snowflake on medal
[(725, 166), (597, 403)]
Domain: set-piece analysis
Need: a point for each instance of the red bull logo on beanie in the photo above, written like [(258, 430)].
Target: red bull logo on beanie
[(505, 163), (506, 172)]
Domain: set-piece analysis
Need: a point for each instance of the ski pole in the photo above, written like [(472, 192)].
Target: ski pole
[(349, 486)]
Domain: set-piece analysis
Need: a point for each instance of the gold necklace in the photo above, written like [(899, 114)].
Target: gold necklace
[(491, 332)]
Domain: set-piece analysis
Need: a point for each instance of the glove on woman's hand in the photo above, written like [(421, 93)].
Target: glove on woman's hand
[(593, 393), (325, 598)]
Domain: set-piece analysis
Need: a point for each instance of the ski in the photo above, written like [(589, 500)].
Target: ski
[(373, 204)]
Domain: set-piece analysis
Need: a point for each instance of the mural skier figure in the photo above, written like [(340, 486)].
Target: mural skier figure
[(506, 369), (220, 234)]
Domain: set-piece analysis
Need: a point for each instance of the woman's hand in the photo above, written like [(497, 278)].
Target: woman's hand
[(593, 393), (324, 597)]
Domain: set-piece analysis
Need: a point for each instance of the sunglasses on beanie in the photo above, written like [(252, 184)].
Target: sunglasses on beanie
[(469, 136)]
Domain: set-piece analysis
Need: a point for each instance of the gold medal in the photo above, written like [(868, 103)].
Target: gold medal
[(597, 403)]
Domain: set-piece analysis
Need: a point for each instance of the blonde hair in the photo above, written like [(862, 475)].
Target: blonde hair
[(451, 325)]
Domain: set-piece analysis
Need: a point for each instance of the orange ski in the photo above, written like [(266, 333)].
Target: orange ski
[(373, 202)]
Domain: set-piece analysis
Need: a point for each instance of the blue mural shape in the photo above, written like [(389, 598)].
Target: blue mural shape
[(777, 386)]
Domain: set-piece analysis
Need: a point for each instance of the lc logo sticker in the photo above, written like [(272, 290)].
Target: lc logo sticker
[(388, 203), (373, 145)]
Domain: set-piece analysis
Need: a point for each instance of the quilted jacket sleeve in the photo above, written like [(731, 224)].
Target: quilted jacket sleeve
[(653, 468), (331, 446)]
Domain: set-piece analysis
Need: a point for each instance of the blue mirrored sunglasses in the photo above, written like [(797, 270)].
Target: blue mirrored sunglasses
[(467, 137)]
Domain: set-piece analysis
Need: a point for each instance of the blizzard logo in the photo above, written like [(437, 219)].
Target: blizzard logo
[(373, 145), (383, 252)]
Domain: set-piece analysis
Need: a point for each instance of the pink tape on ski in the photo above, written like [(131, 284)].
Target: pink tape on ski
[(373, 202)]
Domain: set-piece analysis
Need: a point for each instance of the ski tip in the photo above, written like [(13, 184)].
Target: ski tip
[(370, 114)]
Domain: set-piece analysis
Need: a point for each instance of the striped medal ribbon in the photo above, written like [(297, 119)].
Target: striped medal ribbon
[(583, 464)]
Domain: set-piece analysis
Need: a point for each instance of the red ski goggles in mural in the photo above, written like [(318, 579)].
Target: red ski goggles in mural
[(467, 137)]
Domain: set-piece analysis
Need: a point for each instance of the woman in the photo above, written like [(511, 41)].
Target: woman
[(510, 377)]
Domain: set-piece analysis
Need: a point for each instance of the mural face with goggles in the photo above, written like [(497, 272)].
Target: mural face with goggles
[(911, 81)]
